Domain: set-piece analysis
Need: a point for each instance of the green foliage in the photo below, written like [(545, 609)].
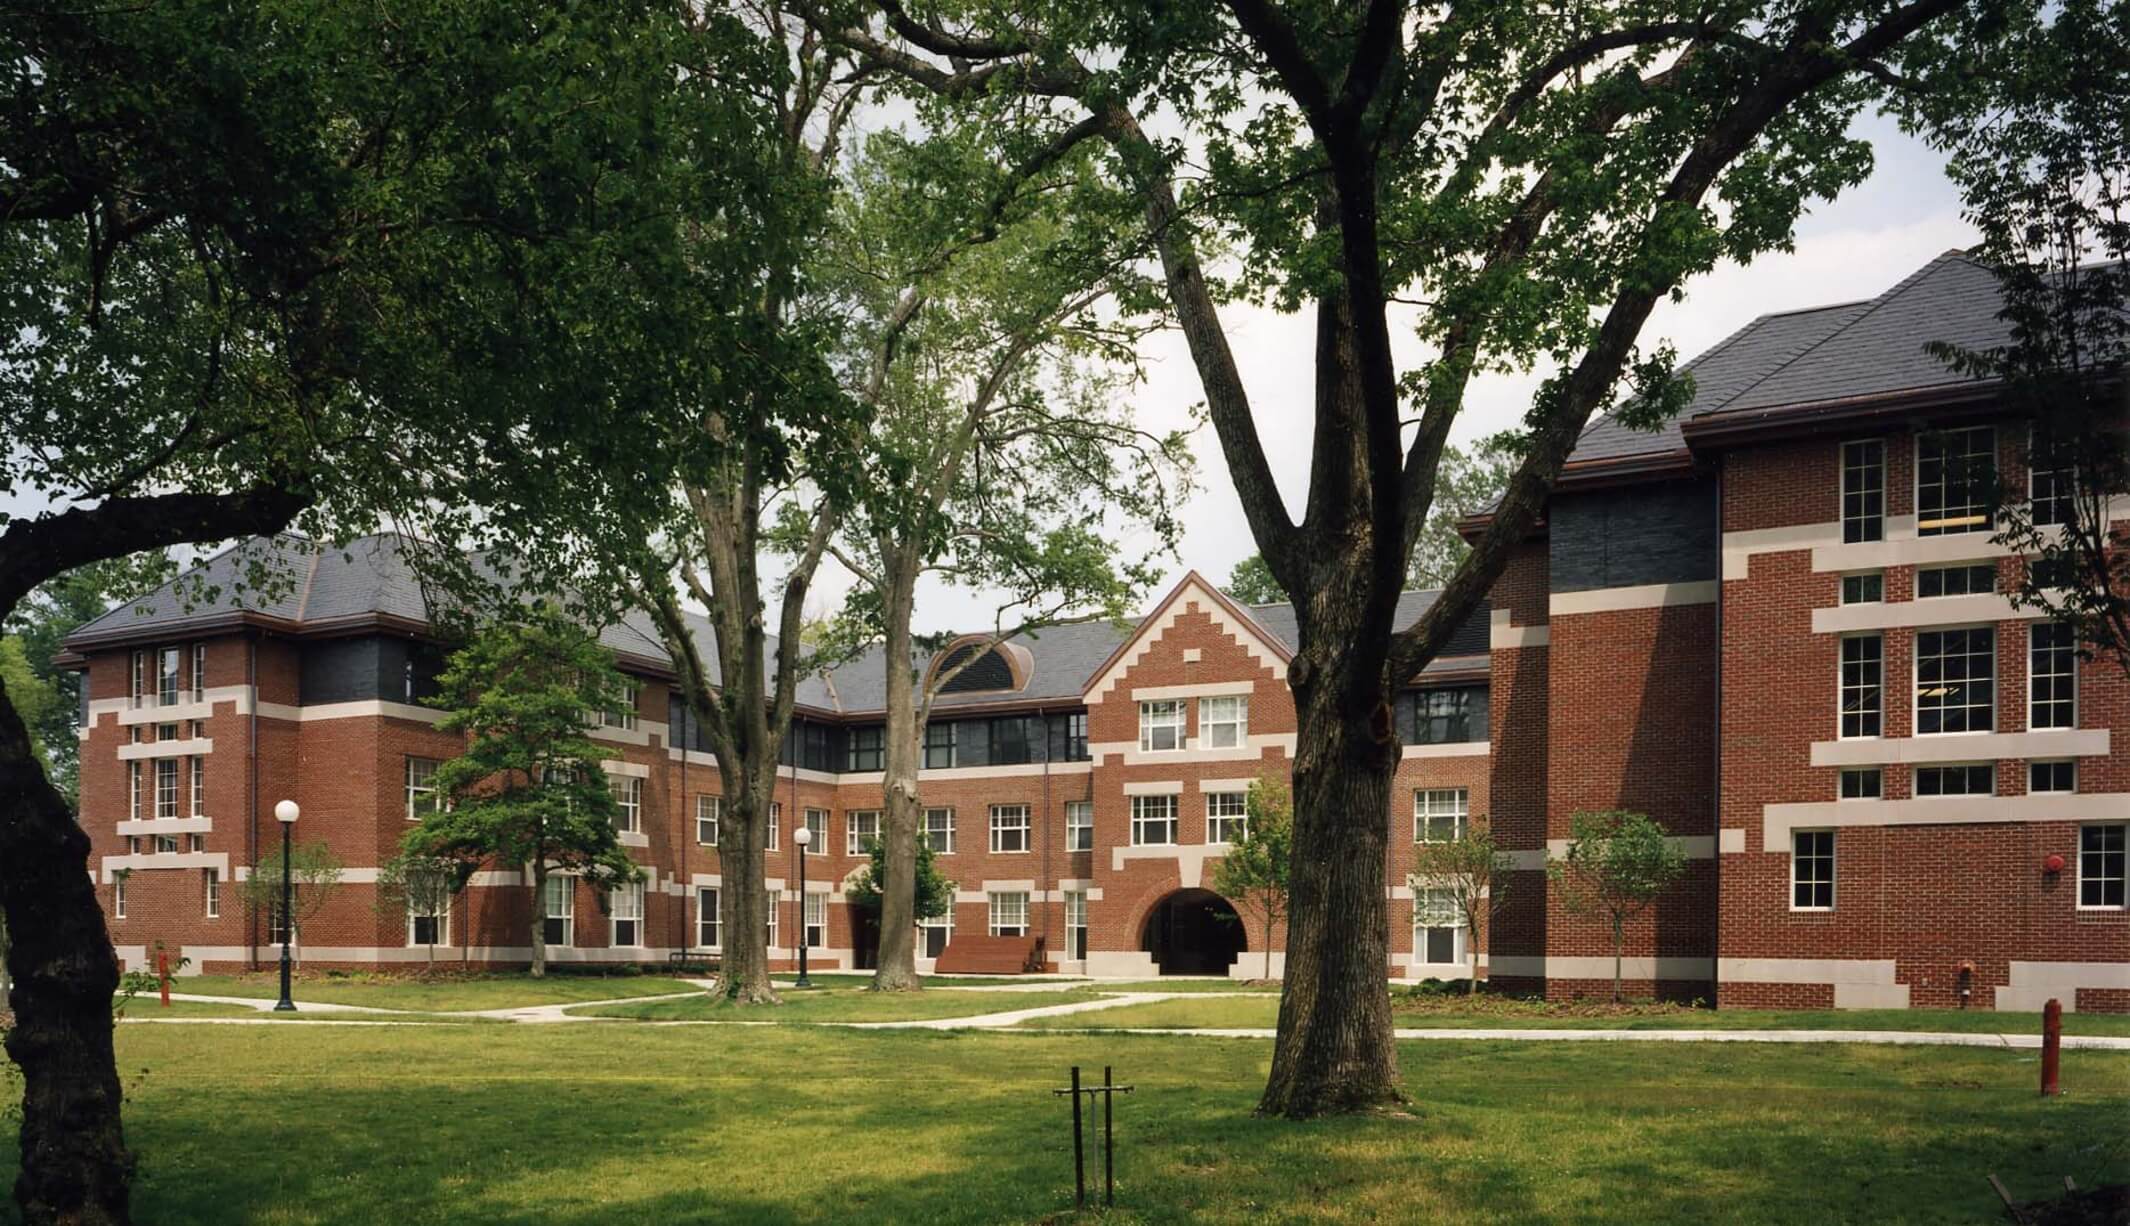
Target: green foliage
[(33, 698), (1251, 582), (1471, 876), (1255, 873), (1616, 865), (314, 869), (529, 789), (409, 885), (935, 894)]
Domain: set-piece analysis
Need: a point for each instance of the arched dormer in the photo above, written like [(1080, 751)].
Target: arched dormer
[(1003, 669)]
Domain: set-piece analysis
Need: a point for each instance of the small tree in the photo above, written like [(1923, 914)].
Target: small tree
[(420, 885), (529, 789), (1254, 872), (935, 894), (1617, 864), (1471, 877), (314, 873)]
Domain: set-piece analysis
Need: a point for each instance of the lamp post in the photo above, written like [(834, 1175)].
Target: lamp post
[(286, 813), (803, 837)]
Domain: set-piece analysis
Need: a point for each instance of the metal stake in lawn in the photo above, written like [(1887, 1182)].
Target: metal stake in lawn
[(1109, 1093)]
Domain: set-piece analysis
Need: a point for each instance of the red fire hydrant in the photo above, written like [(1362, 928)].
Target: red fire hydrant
[(2051, 1046), (162, 973)]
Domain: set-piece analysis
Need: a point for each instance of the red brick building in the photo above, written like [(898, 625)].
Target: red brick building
[(1777, 625)]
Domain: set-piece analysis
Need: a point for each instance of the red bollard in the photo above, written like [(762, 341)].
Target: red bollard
[(162, 973), (2051, 1046)]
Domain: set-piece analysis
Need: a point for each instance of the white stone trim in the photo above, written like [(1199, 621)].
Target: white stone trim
[(1777, 821), (1018, 770), (1730, 840), (166, 749), (150, 862), (1192, 655), (1451, 749), (1692, 846), (1206, 689), (641, 734), (1190, 858), (1600, 967), (1983, 608), (1156, 787), (149, 826), (1252, 748), (2033, 984), (1220, 785), (1192, 591), (1502, 635), (372, 709), (1858, 983), (634, 770), (1739, 547), (632, 838), (1963, 747), (1640, 596), (1121, 964)]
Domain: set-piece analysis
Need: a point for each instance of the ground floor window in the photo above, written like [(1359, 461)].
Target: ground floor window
[(816, 920), (2101, 866), (627, 915), (1076, 924), (558, 925), (214, 892), (277, 927), (118, 898), (934, 933), (1438, 933), (1812, 870), (774, 907), (1227, 817), (1153, 820), (1009, 913), (707, 933), (428, 928)]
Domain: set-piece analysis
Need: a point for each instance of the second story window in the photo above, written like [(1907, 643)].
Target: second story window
[(1863, 675), (1864, 490), (1956, 680), (1009, 828), (1976, 580), (166, 787), (817, 823), (866, 749), (1153, 820), (1449, 716), (1956, 476), (628, 795), (1864, 587), (1224, 723), (939, 745), (421, 788), (1439, 814), (167, 663), (1079, 825), (622, 714), (2052, 678), (1161, 725), (938, 831), (860, 828), (708, 809), (1227, 817)]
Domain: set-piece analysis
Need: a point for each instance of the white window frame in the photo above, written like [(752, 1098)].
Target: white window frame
[(560, 890), (776, 910), (623, 716), (199, 672), (169, 675), (1915, 779), (714, 816), (1433, 909), (708, 919), (1076, 925), (819, 845), (1010, 825), (813, 919), (1842, 516), (1226, 809), (1005, 905), (2123, 854), (212, 878), (196, 775), (443, 926), (925, 829), (1153, 814), (937, 923), (140, 678), (2034, 474), (1878, 793), (625, 906), (1915, 669), (1158, 716), (628, 801), (776, 822), (1436, 804), (134, 790), (1842, 595), (1079, 825), (1842, 688), (1224, 721), (1798, 860), (118, 898), (1990, 449), (858, 826), (1966, 572), (2067, 656), (166, 788), (2072, 763)]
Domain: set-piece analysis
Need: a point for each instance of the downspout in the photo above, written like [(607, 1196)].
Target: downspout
[(1048, 878), (687, 885), (251, 792), (1715, 960)]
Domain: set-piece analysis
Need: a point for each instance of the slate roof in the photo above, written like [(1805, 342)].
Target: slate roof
[(1800, 358)]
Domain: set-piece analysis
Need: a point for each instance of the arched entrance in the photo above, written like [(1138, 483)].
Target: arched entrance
[(1194, 932)]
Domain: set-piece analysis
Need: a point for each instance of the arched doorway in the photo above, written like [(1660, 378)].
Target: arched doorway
[(1194, 932)]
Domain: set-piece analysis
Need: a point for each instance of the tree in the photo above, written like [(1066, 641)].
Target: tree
[(1255, 871), (932, 897), (1251, 582), (421, 886), (1006, 458), (2042, 158), (1523, 188), (1617, 864), (322, 265), (314, 878), (1470, 877), (33, 697), (529, 789)]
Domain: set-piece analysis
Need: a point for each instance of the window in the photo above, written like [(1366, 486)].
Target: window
[(1812, 870), (629, 799), (627, 914), (708, 809), (860, 828), (559, 916), (1976, 580), (1076, 925), (776, 822), (118, 899), (1447, 717), (934, 933), (133, 790), (939, 830), (2100, 866), (1976, 779), (2052, 776), (1865, 587), (421, 788), (167, 662), (819, 749), (199, 672), (196, 771), (431, 928), (277, 930), (2049, 489), (140, 677), (708, 935), (166, 732), (212, 878), (1016, 740), (938, 746), (1956, 680), (1161, 725), (866, 749), (623, 713), (1863, 670), (166, 787), (816, 917), (1864, 490), (775, 905), (817, 823), (1227, 816), (1956, 472), (1009, 828), (1863, 783), (166, 845), (2052, 676), (1438, 931), (1153, 820), (1009, 914), (1079, 825), (1439, 814), (1223, 723), (1075, 748)]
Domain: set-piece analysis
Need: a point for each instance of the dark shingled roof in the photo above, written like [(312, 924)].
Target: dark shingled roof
[(1827, 353)]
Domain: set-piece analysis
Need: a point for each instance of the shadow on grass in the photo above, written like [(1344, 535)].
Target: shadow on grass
[(582, 1125)]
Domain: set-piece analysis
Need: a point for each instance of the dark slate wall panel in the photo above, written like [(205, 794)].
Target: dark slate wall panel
[(345, 670), (1629, 537)]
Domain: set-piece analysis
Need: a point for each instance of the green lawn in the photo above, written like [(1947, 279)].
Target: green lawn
[(1220, 1013), (862, 978), (838, 1004), (1185, 985), (441, 994), (308, 1126)]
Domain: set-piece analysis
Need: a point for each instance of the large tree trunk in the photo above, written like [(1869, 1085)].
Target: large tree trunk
[(896, 970), (539, 919), (744, 897), (75, 1165)]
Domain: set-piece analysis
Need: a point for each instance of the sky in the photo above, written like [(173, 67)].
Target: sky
[(1855, 246)]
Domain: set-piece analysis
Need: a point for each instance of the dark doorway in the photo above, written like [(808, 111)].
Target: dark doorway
[(1194, 932), (865, 937)]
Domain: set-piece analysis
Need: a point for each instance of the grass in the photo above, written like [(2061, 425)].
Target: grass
[(319, 1126), (838, 1004), (441, 993), (1223, 1013), (1185, 985)]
